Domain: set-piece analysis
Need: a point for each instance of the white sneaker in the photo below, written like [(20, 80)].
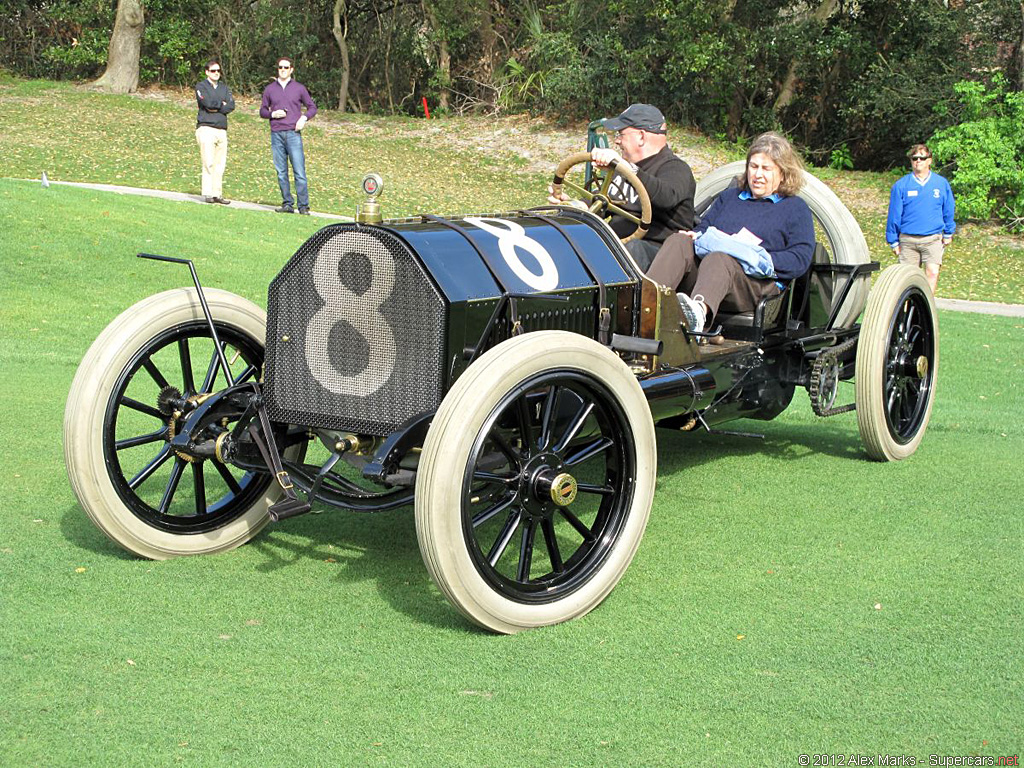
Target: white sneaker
[(693, 310)]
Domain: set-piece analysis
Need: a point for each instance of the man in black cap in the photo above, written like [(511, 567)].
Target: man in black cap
[(641, 140)]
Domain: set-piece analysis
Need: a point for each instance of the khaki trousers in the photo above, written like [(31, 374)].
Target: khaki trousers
[(213, 151), (918, 251)]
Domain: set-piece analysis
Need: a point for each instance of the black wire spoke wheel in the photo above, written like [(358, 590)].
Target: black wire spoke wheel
[(173, 491), (536, 481), (131, 395), (911, 350), (897, 363), (539, 524)]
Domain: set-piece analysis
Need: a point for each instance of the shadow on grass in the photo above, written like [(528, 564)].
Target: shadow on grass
[(793, 441), (77, 528), (382, 548)]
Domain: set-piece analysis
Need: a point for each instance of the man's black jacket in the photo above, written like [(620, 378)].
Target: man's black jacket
[(669, 182)]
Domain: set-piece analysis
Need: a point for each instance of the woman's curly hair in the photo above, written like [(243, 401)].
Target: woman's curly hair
[(778, 148)]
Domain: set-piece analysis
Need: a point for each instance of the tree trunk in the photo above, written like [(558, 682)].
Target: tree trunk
[(444, 56), (488, 43), (341, 36), (788, 90), (1020, 51), (122, 72), (444, 63)]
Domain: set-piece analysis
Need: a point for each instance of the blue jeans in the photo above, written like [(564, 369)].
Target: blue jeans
[(285, 146)]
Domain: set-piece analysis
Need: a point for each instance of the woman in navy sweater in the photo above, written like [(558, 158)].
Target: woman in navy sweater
[(750, 243)]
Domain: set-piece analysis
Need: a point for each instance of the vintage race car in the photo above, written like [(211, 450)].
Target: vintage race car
[(504, 374)]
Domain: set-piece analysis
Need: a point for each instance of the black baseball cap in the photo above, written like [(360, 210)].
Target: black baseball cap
[(642, 116)]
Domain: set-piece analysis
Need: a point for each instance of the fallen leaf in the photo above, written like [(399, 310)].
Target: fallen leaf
[(878, 606), (80, 570), (740, 637), (131, 662)]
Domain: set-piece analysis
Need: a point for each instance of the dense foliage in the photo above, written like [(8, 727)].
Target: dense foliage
[(853, 81), (986, 150)]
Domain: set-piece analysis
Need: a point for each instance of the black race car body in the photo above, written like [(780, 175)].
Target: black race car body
[(502, 373)]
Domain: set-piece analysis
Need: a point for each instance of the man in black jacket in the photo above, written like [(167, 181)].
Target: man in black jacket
[(640, 136), (215, 101)]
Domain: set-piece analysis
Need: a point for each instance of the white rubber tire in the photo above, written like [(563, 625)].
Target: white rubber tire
[(846, 241), (874, 356), (90, 392), (446, 452)]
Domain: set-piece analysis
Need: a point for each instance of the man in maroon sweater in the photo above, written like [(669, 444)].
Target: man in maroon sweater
[(282, 105)]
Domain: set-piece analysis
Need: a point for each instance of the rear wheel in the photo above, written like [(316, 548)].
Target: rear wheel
[(536, 481), (897, 364), (135, 488)]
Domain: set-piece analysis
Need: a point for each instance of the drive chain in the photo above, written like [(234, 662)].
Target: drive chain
[(824, 385)]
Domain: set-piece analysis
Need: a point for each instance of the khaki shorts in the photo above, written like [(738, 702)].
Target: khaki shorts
[(918, 251)]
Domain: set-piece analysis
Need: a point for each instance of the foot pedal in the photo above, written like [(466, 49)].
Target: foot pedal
[(288, 507), (291, 505)]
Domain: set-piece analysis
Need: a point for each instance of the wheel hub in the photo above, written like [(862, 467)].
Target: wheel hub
[(178, 419), (545, 486), (561, 488), (922, 367)]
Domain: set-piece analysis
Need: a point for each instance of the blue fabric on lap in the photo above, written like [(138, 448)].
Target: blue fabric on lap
[(754, 259)]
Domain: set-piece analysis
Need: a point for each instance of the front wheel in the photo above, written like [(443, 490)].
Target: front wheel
[(146, 497), (536, 481), (897, 364)]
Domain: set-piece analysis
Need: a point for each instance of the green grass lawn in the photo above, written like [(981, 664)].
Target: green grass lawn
[(465, 164), (789, 596)]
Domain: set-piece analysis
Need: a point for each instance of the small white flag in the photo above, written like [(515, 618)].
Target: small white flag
[(46, 181)]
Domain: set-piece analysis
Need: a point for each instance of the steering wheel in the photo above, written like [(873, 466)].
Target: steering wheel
[(599, 203)]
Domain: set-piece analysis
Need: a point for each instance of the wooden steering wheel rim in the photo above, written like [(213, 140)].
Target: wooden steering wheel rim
[(627, 173)]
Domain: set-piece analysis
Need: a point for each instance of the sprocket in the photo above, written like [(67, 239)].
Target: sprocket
[(825, 376)]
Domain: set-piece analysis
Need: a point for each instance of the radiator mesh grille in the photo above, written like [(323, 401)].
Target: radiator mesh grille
[(354, 334)]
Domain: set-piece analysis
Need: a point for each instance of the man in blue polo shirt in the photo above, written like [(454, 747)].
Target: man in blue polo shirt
[(921, 209), (282, 105)]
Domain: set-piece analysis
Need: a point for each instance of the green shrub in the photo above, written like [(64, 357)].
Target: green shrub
[(841, 158), (986, 151)]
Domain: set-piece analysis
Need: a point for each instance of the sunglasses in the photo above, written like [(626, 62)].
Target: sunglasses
[(284, 67), (213, 70), (916, 158)]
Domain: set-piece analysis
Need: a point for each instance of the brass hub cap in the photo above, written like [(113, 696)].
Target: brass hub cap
[(922, 367), (563, 489)]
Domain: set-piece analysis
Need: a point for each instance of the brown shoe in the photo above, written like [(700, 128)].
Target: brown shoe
[(220, 200)]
